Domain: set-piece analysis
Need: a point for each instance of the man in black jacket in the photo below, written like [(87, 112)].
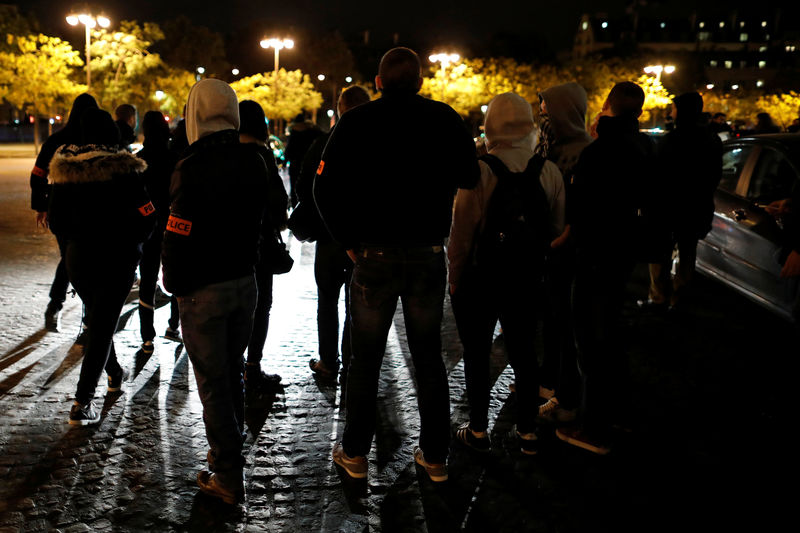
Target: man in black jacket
[(391, 210), (218, 196), (609, 190)]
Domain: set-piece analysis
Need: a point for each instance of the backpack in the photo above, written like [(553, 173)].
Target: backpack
[(517, 230)]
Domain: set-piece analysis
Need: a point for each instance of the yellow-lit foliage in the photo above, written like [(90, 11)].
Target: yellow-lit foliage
[(282, 96), (783, 108), (741, 106)]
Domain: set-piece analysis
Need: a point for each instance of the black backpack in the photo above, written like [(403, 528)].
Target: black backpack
[(517, 232)]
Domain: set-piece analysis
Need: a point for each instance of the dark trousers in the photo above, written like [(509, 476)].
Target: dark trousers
[(217, 320), (478, 303), (417, 276), (149, 268), (255, 348), (597, 297), (332, 271), (58, 289), (103, 277)]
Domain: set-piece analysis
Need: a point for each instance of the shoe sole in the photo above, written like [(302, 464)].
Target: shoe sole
[(464, 441), (351, 473), (583, 445), (437, 479), (230, 500), (83, 422)]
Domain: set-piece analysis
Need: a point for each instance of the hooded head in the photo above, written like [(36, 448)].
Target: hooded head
[(82, 103), (509, 122), (689, 107), (566, 109), (253, 121), (97, 127), (155, 129), (211, 107)]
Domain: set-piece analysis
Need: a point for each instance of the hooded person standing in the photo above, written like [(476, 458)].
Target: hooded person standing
[(690, 160), (483, 292), (99, 206), (40, 193), (218, 195)]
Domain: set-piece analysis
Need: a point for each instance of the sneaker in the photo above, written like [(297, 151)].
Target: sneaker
[(578, 438), (551, 412), (512, 387), (209, 484), (83, 415), (115, 382), (546, 393), (173, 335), (322, 370), (83, 337), (51, 315), (148, 348), (528, 442), (436, 471), (356, 467), (255, 378), (477, 440)]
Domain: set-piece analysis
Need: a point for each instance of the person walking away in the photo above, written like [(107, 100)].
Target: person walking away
[(100, 207), (127, 118), (563, 110), (332, 267), (610, 186), (40, 195), (391, 212), (501, 233), (254, 134), (690, 161), (160, 164), (301, 137), (218, 196)]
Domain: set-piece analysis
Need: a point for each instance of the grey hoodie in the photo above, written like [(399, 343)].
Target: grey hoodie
[(212, 106), (566, 107)]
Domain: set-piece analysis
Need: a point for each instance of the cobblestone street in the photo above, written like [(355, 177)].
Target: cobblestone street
[(704, 455)]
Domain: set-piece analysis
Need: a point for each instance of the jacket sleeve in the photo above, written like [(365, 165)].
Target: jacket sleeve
[(468, 212), (142, 212), (277, 199), (40, 190), (176, 249), (553, 185), (334, 183)]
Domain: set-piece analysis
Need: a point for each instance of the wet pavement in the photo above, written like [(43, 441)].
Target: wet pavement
[(713, 399)]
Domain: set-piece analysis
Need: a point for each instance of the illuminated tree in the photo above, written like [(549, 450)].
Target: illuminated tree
[(283, 96), (37, 76), (783, 108), (741, 106)]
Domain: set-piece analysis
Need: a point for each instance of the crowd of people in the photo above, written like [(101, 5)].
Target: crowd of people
[(545, 225)]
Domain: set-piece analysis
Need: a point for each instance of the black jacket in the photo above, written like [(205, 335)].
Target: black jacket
[(40, 190), (160, 164), (218, 196), (390, 171), (98, 197), (275, 214), (614, 179)]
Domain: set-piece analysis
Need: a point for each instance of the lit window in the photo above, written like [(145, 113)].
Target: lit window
[(743, 37), (704, 35), (663, 25), (721, 24), (762, 48), (729, 64), (766, 37), (741, 24), (760, 83), (763, 23), (585, 26), (702, 24), (762, 64), (604, 25), (735, 86), (713, 63)]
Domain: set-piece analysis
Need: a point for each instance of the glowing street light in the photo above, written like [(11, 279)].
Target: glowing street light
[(658, 69), (709, 86), (277, 45), (321, 77), (89, 22), (235, 71), (160, 95), (444, 60), (349, 79)]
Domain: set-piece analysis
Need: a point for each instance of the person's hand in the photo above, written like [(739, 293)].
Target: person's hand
[(778, 208), (791, 268), (352, 255), (452, 288), (559, 241), (41, 219)]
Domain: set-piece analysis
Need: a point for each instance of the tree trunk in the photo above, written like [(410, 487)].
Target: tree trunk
[(36, 134)]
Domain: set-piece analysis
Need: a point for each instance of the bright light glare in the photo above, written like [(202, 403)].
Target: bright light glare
[(734, 86), (72, 20), (103, 21), (349, 79), (669, 69), (201, 70), (321, 77), (444, 59), (710, 86), (277, 44), (235, 72), (160, 95), (484, 108), (330, 113), (84, 19)]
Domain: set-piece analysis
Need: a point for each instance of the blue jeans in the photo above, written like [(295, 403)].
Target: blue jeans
[(417, 276), (217, 320)]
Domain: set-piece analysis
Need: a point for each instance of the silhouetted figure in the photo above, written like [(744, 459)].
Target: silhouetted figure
[(303, 133), (127, 119)]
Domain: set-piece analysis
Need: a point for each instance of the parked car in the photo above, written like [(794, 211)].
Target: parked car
[(745, 246)]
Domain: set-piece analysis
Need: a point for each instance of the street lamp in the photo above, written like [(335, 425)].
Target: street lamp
[(89, 22), (444, 60), (321, 77), (277, 45), (658, 69)]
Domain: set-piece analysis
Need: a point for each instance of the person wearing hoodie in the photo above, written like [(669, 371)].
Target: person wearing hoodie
[(612, 180), (564, 136), (690, 161), (479, 296), (160, 164), (392, 212), (100, 207), (218, 195), (40, 192), (253, 132)]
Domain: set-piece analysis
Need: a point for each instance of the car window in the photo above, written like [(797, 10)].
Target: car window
[(773, 178), (733, 162)]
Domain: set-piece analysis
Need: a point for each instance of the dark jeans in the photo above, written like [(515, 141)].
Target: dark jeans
[(332, 270), (597, 297), (149, 268), (255, 348), (478, 304), (102, 276), (560, 363), (58, 290), (217, 320), (417, 276)]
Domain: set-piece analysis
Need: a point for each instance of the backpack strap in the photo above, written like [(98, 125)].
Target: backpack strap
[(534, 168)]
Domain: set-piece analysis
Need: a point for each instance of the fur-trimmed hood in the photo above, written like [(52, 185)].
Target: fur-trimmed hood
[(92, 163)]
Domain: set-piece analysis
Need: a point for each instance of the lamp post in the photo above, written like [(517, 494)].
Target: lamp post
[(658, 69), (277, 45), (89, 22), (444, 60)]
